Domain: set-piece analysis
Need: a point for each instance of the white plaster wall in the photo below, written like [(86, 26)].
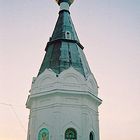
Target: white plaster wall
[(62, 102), (69, 79), (59, 112)]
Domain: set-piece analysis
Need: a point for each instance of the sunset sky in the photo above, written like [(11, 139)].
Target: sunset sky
[(109, 30)]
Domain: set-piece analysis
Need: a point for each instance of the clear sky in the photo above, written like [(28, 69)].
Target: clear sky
[(110, 32)]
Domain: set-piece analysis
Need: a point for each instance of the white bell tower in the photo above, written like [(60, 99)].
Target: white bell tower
[(63, 99)]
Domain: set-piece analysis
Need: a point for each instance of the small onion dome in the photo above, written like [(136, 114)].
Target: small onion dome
[(68, 1)]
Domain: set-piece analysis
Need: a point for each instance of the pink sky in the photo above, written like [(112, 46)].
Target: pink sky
[(108, 29)]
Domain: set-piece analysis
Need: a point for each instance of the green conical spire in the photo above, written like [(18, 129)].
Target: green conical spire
[(64, 49), (64, 28)]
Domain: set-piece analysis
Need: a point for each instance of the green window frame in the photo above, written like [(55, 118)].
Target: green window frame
[(70, 134), (43, 134)]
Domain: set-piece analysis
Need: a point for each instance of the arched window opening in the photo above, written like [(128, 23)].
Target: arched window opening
[(70, 134), (67, 35), (91, 136), (43, 134)]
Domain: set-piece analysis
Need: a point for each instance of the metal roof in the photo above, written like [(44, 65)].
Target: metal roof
[(64, 49)]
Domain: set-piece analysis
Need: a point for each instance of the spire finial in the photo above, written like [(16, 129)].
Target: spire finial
[(67, 1)]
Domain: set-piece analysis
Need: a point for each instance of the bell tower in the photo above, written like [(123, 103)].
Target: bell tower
[(63, 99)]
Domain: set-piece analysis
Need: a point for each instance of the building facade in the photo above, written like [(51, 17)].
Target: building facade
[(63, 99)]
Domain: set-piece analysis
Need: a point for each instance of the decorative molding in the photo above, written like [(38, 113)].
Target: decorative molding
[(70, 80)]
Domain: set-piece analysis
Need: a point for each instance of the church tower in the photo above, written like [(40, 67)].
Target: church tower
[(63, 99)]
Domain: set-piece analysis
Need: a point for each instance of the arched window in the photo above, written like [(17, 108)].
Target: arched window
[(67, 35), (70, 134), (91, 136), (43, 134)]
